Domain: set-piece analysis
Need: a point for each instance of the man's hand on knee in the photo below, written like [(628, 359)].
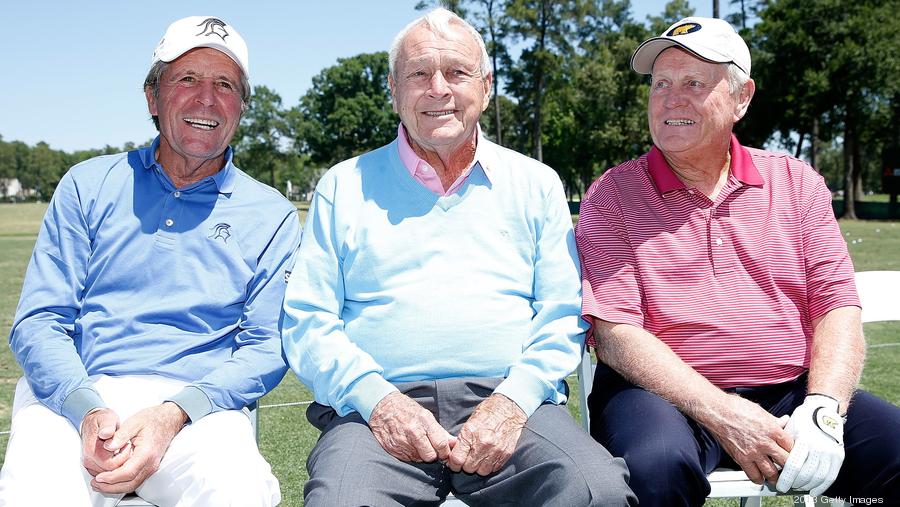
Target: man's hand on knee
[(489, 437), (754, 438), (149, 431), (97, 428), (408, 432)]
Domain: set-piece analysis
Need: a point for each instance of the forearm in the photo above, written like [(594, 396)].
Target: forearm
[(54, 371), (646, 361), (838, 353), (252, 371), (339, 373)]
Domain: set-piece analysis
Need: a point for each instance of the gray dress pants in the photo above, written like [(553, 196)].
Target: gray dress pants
[(555, 461)]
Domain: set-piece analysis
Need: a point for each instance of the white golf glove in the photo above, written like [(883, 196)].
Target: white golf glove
[(815, 459)]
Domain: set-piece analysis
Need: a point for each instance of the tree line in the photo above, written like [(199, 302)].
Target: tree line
[(828, 90)]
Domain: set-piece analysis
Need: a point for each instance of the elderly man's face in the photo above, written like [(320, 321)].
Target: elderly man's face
[(199, 105), (438, 89), (690, 106)]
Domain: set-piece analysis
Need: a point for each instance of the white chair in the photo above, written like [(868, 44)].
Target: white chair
[(878, 294), (132, 500)]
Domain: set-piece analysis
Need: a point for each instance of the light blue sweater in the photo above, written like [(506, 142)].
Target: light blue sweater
[(393, 283)]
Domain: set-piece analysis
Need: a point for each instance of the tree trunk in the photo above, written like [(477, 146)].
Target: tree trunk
[(799, 150), (849, 191), (536, 130), (814, 147), (539, 86), (497, 124), (857, 173), (489, 6)]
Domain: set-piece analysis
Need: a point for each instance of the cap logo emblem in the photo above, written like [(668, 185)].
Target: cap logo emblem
[(213, 26), (684, 29)]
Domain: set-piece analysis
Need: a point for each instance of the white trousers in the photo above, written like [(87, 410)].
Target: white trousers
[(213, 462)]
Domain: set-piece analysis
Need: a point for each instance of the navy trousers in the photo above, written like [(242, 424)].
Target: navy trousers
[(669, 455)]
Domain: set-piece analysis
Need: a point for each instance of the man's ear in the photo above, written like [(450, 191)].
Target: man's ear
[(151, 101), (392, 86), (746, 95), (488, 81)]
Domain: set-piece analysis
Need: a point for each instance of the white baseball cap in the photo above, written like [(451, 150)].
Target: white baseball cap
[(202, 32), (711, 39)]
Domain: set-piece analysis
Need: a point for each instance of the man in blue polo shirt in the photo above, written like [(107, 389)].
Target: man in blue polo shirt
[(148, 319)]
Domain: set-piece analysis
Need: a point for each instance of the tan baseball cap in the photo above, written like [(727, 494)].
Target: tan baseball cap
[(711, 39), (202, 32)]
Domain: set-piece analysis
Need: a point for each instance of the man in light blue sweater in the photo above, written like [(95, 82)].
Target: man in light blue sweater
[(434, 307)]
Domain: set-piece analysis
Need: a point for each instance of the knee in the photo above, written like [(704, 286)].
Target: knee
[(246, 487), (650, 463), (265, 492), (214, 477), (666, 478), (609, 488), (600, 480)]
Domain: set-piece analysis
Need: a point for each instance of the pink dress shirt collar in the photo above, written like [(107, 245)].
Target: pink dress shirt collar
[(422, 171)]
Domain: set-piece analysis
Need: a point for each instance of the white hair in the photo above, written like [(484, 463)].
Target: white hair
[(737, 78), (438, 22)]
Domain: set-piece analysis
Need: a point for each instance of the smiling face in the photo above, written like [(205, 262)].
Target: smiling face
[(438, 88), (691, 110), (199, 108)]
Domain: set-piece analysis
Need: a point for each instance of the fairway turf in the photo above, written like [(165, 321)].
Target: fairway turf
[(286, 438)]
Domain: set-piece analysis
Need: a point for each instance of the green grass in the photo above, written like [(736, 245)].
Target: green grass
[(286, 438)]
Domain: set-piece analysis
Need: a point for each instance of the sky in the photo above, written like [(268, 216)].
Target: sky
[(72, 71)]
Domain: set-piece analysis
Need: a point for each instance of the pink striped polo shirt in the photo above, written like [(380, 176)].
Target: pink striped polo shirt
[(731, 285), (422, 171)]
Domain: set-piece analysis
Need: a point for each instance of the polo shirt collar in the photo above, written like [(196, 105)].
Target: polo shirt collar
[(224, 179), (665, 180), (742, 166)]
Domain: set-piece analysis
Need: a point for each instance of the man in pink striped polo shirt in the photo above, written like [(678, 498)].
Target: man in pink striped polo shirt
[(722, 300)]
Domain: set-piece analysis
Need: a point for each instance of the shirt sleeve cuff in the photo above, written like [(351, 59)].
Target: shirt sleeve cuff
[(367, 392), (78, 403), (525, 389), (193, 401)]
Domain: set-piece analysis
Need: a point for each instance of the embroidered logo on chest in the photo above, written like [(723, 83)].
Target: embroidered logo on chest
[(220, 231)]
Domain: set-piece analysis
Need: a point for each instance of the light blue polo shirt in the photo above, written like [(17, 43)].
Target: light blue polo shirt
[(132, 276)]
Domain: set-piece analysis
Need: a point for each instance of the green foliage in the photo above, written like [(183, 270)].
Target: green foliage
[(40, 167), (600, 119), (546, 28), (825, 65), (510, 130), (260, 142), (346, 112)]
